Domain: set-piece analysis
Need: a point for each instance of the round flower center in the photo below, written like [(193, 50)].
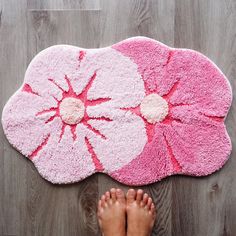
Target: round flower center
[(154, 108), (72, 110)]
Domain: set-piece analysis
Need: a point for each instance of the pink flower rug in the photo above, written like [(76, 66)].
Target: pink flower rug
[(138, 111)]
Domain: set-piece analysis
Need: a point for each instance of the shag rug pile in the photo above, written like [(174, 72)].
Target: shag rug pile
[(138, 111)]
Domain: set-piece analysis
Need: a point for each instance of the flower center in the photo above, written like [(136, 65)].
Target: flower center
[(72, 110), (154, 108)]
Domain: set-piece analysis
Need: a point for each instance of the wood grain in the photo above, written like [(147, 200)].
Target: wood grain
[(63, 4), (29, 205), (13, 169)]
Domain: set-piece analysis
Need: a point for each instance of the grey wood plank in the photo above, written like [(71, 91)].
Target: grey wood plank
[(61, 210), (46, 28), (13, 168), (63, 4), (203, 206), (123, 19), (161, 194)]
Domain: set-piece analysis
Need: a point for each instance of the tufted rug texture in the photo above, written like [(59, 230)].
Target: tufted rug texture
[(138, 111)]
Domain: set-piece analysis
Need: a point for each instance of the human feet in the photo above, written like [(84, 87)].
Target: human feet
[(141, 213), (111, 213)]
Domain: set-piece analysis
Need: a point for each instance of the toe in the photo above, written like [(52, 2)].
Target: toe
[(113, 194), (153, 210), (120, 195), (108, 195), (103, 201), (145, 198), (149, 203), (139, 196), (99, 205), (130, 196)]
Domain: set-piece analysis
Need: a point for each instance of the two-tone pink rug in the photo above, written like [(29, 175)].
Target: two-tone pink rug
[(138, 111)]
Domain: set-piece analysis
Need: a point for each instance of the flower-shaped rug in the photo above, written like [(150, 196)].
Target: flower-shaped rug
[(138, 111)]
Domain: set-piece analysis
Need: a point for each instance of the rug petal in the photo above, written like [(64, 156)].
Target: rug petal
[(125, 138), (199, 149), (67, 160), (200, 83), (116, 78), (46, 73), (23, 128)]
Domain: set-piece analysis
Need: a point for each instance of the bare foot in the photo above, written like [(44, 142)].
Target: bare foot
[(111, 213), (141, 213)]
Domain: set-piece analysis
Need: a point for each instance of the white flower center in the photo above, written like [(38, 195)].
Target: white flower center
[(154, 108), (72, 110)]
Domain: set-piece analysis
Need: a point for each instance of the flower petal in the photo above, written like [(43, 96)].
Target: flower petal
[(24, 130), (124, 139), (117, 78), (46, 73), (200, 149), (65, 161), (200, 83)]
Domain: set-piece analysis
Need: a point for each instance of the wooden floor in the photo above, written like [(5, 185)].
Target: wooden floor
[(187, 206)]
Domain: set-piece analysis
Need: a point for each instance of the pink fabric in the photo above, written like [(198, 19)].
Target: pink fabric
[(111, 134)]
